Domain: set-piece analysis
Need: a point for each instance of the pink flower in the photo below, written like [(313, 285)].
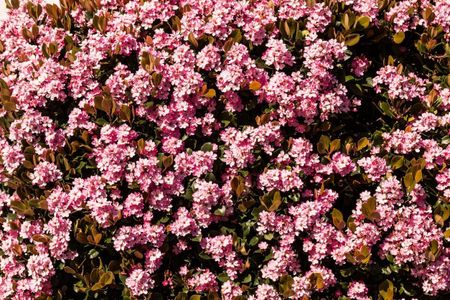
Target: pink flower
[(405, 87), (277, 54), (127, 236), (221, 250), (133, 205), (206, 196), (153, 260), (342, 164), (139, 282), (45, 172), (203, 281), (60, 228), (284, 260), (208, 58), (265, 291), (40, 267), (12, 156), (282, 180), (412, 235), (360, 64), (374, 166), (357, 290), (183, 223), (401, 142), (434, 276), (229, 290)]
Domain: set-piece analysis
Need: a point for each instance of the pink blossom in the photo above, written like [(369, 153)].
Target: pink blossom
[(139, 282), (208, 58), (277, 54), (229, 290), (360, 65), (133, 205), (265, 291), (203, 281), (405, 87), (374, 166), (357, 290), (183, 223), (44, 173), (342, 164)]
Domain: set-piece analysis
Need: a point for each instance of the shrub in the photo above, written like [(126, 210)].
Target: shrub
[(181, 149)]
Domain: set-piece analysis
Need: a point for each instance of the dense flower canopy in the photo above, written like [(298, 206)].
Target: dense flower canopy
[(267, 149)]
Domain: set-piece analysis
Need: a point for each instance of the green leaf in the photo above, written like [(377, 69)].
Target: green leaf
[(347, 272), (433, 250), (428, 15), (193, 40), (362, 143), (397, 162), (41, 238), (204, 256), (386, 290), (28, 165), (107, 278), (408, 181), (338, 219), (285, 286), (268, 236), (108, 105), (276, 201), (447, 233), (369, 209), (418, 176), (349, 78), (253, 241), (364, 21), (404, 290), (181, 296), (220, 211), (347, 20), (93, 253), (323, 145), (101, 122), (386, 109), (22, 208), (207, 147), (247, 279), (399, 37), (363, 254), (238, 185), (197, 239), (351, 224), (125, 113), (352, 39), (223, 277), (335, 145), (69, 270), (316, 281), (237, 35), (286, 28), (167, 161), (97, 286), (9, 105)]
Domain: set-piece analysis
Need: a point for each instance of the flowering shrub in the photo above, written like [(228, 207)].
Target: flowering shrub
[(179, 149)]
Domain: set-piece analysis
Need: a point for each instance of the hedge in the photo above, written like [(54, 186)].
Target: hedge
[(224, 149)]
